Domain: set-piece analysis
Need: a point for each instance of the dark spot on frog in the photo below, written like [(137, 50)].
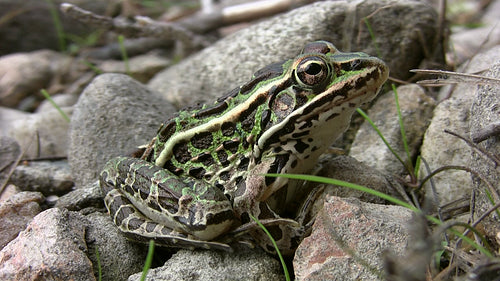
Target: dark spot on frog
[(222, 156), (144, 195), (202, 140), (197, 172), (128, 189), (181, 152), (300, 146), (294, 163), (205, 158), (243, 166), (150, 226), (172, 168), (166, 131), (228, 129), (210, 111), (332, 116), (154, 205), (122, 213), (276, 167), (134, 224), (231, 145), (224, 176)]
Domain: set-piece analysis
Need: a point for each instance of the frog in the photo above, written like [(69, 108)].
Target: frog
[(202, 179)]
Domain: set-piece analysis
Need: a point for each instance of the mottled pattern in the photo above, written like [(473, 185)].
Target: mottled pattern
[(200, 178)]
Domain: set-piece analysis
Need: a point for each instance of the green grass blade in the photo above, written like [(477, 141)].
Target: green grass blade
[(121, 40), (99, 269), (93, 67), (383, 196), (283, 264), (402, 128), (372, 35), (47, 96), (61, 38), (149, 260)]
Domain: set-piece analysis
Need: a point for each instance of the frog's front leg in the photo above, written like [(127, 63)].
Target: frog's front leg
[(149, 202), (287, 233)]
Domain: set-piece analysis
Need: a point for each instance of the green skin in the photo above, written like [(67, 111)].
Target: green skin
[(201, 178)]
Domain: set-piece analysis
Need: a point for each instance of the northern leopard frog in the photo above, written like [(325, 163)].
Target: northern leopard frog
[(201, 177)]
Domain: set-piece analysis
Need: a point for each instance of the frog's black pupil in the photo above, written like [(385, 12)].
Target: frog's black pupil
[(313, 69)]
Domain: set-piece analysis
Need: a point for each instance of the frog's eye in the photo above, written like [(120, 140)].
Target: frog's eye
[(312, 71)]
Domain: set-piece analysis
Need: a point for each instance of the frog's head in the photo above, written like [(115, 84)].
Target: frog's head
[(318, 92)]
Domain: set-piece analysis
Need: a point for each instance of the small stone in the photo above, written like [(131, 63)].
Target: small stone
[(347, 227), (47, 177), (43, 134), (216, 265), (53, 244), (114, 115), (16, 212)]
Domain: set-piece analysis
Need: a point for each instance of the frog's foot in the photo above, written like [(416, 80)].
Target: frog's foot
[(139, 228)]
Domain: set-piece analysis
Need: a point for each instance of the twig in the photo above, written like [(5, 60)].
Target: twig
[(492, 157), (450, 77), (140, 26)]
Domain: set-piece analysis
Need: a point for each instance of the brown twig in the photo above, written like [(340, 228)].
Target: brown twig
[(140, 26)]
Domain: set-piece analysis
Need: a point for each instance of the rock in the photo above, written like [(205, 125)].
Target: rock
[(348, 169), (51, 248), (119, 257), (89, 196), (9, 191), (113, 116), (16, 212), (142, 68), (39, 134), (485, 112), (24, 74), (9, 153), (440, 149), (416, 109), (47, 177), (347, 232), (216, 265), (231, 61), (468, 42)]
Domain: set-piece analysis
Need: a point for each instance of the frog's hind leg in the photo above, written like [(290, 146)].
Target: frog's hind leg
[(139, 228)]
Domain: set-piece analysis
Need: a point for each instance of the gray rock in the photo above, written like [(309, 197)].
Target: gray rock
[(349, 169), (24, 74), (216, 265), (347, 231), (113, 116), (416, 109), (9, 153), (47, 177), (142, 67), (81, 198), (485, 112), (52, 247), (16, 212), (470, 41), (232, 60), (440, 149), (43, 134), (118, 257)]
